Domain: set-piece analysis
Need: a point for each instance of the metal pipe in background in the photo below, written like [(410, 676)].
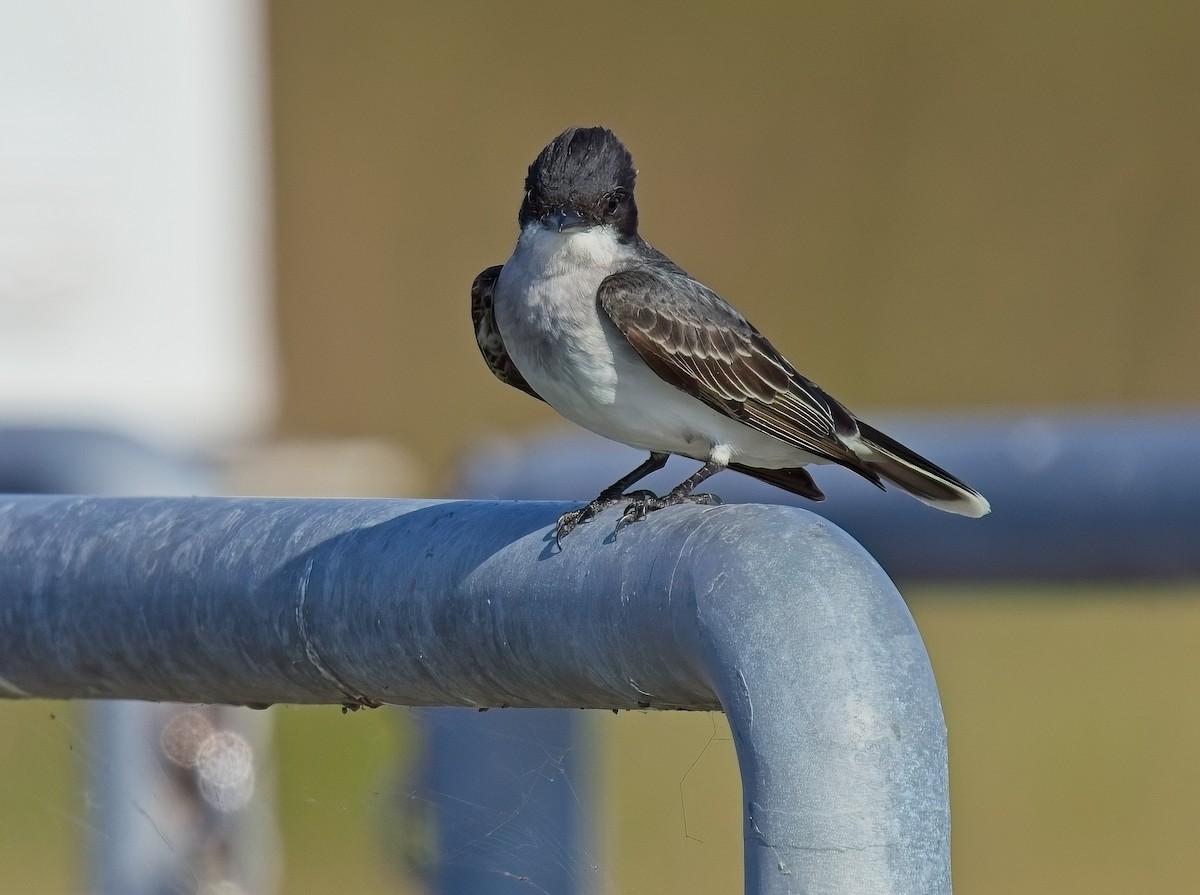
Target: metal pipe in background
[(771, 613), (1074, 497)]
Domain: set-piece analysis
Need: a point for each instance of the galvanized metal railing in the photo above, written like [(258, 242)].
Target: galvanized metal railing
[(769, 613)]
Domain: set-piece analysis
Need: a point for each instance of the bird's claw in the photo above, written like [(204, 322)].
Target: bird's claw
[(569, 521), (566, 524), (639, 505), (646, 503)]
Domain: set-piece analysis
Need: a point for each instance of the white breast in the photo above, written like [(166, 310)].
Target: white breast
[(571, 354), (545, 303)]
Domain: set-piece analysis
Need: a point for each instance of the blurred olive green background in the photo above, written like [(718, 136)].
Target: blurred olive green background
[(926, 205)]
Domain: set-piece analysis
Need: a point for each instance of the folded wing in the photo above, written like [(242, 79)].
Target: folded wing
[(487, 334), (693, 339)]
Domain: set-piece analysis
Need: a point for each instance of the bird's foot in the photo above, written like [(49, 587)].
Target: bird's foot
[(568, 522), (646, 503)]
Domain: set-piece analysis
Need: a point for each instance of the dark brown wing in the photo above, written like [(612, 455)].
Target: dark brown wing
[(487, 334), (697, 342)]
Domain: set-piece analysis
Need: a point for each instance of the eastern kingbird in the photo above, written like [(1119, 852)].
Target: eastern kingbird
[(590, 318)]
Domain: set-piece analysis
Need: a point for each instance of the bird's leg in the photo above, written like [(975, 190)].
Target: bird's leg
[(646, 503), (613, 494)]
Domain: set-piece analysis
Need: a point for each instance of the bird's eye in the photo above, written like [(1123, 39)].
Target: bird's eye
[(613, 203)]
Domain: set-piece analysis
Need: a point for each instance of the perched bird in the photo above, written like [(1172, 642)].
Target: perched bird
[(590, 318)]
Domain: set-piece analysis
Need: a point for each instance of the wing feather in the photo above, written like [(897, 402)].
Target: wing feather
[(487, 334), (697, 342)]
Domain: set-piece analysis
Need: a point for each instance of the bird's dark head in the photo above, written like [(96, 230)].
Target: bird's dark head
[(583, 179)]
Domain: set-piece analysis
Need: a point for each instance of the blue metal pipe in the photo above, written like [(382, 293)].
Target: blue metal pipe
[(770, 613)]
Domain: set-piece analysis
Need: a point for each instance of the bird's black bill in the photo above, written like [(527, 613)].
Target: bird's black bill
[(565, 220)]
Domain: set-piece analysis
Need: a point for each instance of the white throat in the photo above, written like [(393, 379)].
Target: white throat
[(575, 251)]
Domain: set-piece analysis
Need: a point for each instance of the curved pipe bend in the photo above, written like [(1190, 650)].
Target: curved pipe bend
[(768, 612)]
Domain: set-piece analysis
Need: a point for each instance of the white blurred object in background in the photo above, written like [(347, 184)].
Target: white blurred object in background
[(134, 269), (134, 307)]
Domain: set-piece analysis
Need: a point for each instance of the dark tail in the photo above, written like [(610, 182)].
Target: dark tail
[(911, 472)]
